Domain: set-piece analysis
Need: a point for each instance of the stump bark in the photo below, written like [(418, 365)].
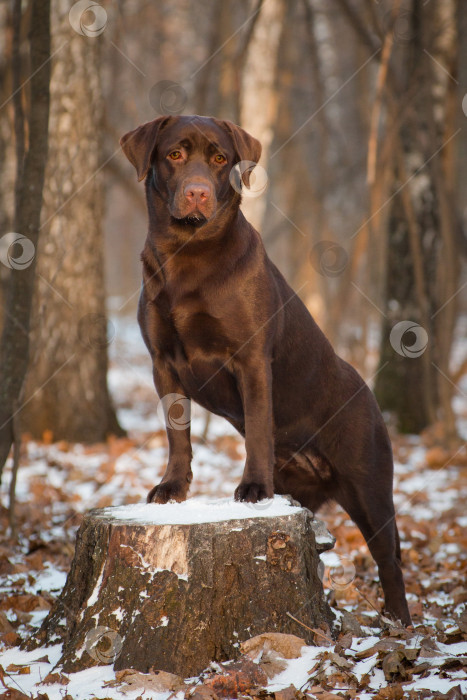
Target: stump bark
[(150, 589)]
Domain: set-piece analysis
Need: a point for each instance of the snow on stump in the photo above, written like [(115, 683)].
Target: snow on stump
[(174, 587)]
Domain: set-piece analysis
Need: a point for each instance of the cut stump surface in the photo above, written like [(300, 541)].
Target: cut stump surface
[(174, 587)]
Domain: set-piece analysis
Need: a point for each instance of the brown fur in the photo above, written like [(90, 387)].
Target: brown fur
[(225, 329)]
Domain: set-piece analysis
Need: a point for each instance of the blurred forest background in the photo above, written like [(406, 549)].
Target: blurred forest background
[(361, 107)]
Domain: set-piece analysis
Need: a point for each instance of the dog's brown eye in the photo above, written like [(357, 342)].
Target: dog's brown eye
[(175, 155), (219, 158)]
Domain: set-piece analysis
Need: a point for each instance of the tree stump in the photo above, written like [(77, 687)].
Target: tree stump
[(174, 587)]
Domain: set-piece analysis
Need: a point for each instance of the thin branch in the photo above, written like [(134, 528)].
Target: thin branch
[(315, 631), (377, 106), (241, 53)]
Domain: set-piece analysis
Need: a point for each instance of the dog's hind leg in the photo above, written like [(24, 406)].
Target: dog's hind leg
[(372, 510)]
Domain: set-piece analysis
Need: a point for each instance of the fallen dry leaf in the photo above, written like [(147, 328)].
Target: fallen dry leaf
[(14, 694), (393, 664), (52, 678), (287, 645), (156, 680), (5, 624), (290, 693), (201, 692), (318, 692), (17, 668), (392, 692), (241, 676), (10, 639), (272, 663), (25, 603)]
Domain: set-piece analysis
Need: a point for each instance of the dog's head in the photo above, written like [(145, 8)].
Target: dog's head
[(190, 160)]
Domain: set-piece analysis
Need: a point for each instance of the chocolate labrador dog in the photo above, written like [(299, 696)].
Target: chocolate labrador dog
[(224, 329)]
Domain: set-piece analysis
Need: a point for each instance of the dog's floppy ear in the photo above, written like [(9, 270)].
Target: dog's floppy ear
[(246, 147), (138, 145)]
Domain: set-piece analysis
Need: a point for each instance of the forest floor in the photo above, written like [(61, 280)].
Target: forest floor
[(58, 482)]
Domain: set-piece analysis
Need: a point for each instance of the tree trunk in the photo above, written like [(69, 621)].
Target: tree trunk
[(461, 164), (423, 255), (66, 390), (146, 593), (401, 386), (15, 345), (259, 105)]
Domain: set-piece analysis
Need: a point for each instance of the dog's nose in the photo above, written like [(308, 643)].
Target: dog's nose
[(197, 193)]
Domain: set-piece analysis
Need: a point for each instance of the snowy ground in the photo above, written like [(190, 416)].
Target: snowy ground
[(58, 482)]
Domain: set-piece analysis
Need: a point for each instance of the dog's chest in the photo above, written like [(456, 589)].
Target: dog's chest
[(198, 330)]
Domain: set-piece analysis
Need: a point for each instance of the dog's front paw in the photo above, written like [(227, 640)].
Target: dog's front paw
[(252, 492), (168, 491)]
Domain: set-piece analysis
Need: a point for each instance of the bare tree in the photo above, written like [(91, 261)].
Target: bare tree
[(422, 277), (66, 389), (30, 179)]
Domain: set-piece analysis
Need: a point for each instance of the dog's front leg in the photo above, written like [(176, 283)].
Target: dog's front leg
[(255, 384), (177, 413)]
